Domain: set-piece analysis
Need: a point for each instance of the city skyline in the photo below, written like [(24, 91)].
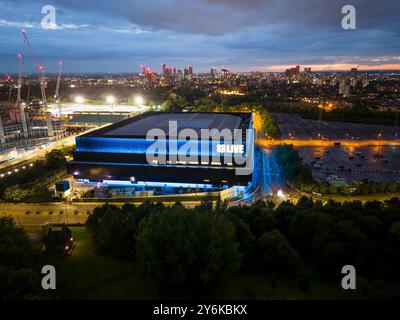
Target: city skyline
[(253, 36)]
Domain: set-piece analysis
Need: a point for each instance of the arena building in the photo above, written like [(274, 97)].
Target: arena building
[(131, 153)]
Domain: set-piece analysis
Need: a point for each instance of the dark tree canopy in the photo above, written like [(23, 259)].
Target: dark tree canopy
[(181, 247)]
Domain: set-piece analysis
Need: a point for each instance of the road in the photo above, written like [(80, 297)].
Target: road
[(327, 143), (267, 179), (57, 213)]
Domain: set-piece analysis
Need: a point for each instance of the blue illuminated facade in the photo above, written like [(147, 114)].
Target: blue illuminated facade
[(105, 157)]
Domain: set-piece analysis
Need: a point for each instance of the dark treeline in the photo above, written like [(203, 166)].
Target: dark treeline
[(293, 169), (19, 264), (193, 248), (357, 113)]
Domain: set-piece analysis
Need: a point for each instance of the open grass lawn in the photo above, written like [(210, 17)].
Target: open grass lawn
[(32, 228), (85, 275)]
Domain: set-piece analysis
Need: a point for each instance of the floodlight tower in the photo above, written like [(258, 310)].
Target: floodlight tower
[(19, 101)]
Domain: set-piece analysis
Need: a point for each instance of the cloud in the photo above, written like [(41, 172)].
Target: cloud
[(218, 17), (242, 34), (333, 67), (17, 24)]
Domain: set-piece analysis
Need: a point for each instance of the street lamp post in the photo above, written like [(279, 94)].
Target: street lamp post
[(379, 144)]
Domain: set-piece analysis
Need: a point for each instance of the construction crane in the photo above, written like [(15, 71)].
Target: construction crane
[(20, 105), (57, 93), (60, 69), (38, 67)]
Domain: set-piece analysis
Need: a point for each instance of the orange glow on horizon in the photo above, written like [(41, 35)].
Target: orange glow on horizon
[(333, 67)]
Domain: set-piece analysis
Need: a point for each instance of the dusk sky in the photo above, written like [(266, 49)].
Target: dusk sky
[(264, 35)]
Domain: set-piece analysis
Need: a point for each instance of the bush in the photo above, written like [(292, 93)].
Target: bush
[(276, 252), (183, 247), (391, 187)]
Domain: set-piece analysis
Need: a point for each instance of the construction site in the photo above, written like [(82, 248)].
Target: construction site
[(26, 125), (33, 119)]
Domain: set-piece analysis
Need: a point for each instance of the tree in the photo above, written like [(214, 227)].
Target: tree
[(206, 203), (18, 259), (15, 247), (23, 284), (381, 186), (174, 103), (181, 247), (373, 188), (113, 230), (394, 233), (391, 187), (55, 159), (276, 252), (363, 188)]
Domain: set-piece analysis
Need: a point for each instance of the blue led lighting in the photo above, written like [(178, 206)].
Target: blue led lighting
[(148, 184), (141, 146)]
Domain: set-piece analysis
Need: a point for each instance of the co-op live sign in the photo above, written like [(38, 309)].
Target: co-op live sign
[(230, 148)]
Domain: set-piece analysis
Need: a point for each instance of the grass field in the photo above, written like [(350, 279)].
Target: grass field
[(85, 275)]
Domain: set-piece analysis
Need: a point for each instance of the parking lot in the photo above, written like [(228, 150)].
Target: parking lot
[(294, 126), (354, 164)]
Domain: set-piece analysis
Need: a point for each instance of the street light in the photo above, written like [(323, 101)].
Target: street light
[(79, 99), (138, 100), (110, 99), (379, 143)]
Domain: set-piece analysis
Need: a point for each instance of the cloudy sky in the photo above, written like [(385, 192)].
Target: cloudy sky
[(244, 35)]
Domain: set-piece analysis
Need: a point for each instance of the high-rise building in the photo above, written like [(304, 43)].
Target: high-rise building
[(292, 72), (224, 73), (164, 69), (353, 72), (344, 89)]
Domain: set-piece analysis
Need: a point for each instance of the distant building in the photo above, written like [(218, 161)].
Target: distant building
[(293, 72), (344, 89), (224, 73), (307, 70)]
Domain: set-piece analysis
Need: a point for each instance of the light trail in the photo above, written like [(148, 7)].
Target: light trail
[(324, 143)]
